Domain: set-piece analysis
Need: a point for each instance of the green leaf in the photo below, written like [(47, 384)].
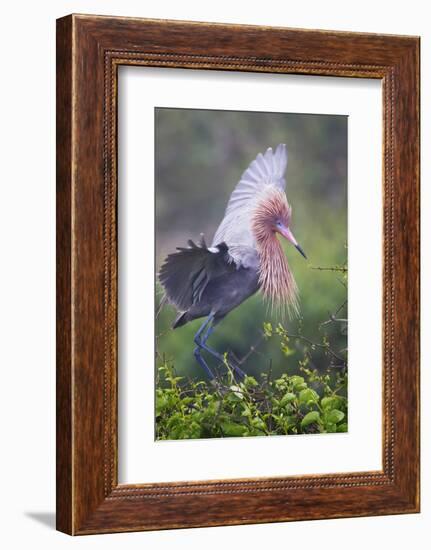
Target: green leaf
[(334, 416), (232, 430), (308, 396), (267, 330), (332, 402), (258, 423), (287, 398), (250, 381), (194, 430), (246, 411), (297, 380), (286, 350), (309, 418), (161, 404), (290, 421), (236, 390), (330, 428), (342, 427)]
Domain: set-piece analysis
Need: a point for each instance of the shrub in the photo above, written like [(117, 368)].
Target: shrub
[(304, 403)]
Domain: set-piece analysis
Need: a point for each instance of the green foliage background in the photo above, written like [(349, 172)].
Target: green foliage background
[(200, 156)]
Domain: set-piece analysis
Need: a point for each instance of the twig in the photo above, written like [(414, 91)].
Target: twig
[(333, 316), (322, 346), (253, 349), (340, 269), (333, 319), (341, 307)]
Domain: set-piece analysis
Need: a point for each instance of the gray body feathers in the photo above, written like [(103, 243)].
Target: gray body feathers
[(199, 281)]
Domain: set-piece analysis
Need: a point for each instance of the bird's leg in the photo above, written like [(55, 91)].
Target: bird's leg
[(202, 362), (238, 370), (197, 350), (201, 341), (208, 320), (203, 344)]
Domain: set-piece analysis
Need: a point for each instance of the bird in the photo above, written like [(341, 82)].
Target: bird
[(245, 256)]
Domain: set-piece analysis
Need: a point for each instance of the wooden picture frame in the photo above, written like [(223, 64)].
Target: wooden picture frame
[(89, 51)]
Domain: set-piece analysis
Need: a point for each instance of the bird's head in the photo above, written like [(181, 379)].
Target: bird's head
[(273, 215), (282, 228)]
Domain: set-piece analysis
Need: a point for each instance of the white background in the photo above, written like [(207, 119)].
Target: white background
[(141, 458), (27, 272)]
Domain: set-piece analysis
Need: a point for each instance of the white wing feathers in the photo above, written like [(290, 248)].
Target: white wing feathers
[(266, 170)]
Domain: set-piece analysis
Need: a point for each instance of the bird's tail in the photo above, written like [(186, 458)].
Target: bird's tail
[(181, 319)]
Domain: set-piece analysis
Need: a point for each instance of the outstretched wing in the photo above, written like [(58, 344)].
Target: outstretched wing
[(186, 273), (265, 171)]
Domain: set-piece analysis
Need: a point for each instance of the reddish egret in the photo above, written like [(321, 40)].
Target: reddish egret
[(245, 255)]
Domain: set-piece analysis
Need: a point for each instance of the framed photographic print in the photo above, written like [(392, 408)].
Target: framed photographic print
[(237, 274)]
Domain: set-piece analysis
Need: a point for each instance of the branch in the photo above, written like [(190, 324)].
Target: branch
[(322, 346), (339, 269)]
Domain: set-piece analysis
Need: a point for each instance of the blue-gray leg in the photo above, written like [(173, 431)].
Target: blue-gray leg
[(202, 362), (204, 325), (197, 350), (220, 357), (201, 344)]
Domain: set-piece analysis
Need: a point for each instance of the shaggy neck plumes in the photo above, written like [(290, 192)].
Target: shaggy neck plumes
[(275, 278)]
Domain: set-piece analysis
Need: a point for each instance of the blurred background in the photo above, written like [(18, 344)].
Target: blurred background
[(199, 158)]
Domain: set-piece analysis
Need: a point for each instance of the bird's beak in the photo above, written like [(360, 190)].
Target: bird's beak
[(287, 234)]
